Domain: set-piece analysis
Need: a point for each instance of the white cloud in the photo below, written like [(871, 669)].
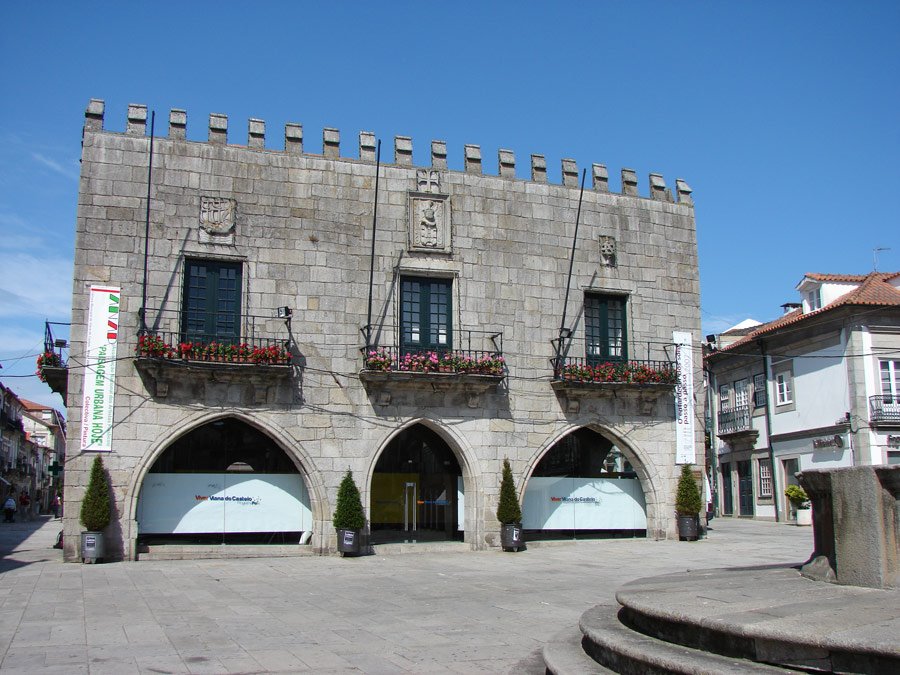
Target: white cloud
[(53, 165), (32, 286)]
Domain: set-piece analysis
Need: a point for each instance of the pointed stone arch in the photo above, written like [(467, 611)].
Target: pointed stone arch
[(652, 483), (473, 526), (292, 448)]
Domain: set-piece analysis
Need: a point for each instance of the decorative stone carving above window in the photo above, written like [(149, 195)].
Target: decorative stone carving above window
[(608, 251), (217, 220), (428, 181), (429, 222)]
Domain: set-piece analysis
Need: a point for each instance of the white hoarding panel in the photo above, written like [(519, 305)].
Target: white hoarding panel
[(584, 504), (684, 399), (181, 503), (100, 368), (460, 504)]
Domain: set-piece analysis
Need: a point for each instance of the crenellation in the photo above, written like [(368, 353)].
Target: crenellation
[(684, 192), (177, 124), (538, 169), (506, 160), (569, 172), (218, 129), (367, 146), (629, 183), (600, 178), (293, 138), (439, 154), (403, 150), (331, 143), (473, 159), (256, 133), (136, 124), (93, 115), (658, 188)]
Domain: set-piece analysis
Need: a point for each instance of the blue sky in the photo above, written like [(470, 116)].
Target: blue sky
[(782, 116)]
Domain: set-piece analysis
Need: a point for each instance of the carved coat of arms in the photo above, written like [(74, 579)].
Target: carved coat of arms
[(217, 218)]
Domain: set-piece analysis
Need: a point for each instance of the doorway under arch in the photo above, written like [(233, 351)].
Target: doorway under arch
[(417, 490), (224, 482), (584, 487)]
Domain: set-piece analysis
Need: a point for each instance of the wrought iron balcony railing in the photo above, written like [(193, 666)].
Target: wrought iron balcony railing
[(463, 361), (256, 342), (734, 420), (885, 409), (616, 372)]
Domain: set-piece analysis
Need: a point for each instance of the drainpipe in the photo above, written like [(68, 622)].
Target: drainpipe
[(775, 493), (711, 390)]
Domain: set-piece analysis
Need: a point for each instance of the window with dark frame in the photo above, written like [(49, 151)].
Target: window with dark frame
[(425, 314), (211, 305), (604, 321), (759, 390)]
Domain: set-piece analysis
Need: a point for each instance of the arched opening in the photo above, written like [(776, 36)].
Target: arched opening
[(417, 490), (225, 482), (584, 487)]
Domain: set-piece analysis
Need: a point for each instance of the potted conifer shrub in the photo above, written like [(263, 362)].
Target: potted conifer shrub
[(95, 513), (687, 505), (349, 518), (509, 513)]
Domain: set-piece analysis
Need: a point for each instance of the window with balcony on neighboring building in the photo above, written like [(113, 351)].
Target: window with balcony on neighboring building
[(742, 393), (724, 397), (765, 479), (425, 314), (604, 321), (212, 300), (759, 390), (890, 381)]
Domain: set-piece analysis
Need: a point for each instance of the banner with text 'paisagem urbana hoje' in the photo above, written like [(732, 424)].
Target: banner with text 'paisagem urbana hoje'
[(100, 368)]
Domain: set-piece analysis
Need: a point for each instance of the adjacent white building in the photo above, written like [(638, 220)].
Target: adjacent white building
[(818, 387)]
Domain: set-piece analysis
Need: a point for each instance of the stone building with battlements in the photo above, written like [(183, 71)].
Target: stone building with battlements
[(247, 326)]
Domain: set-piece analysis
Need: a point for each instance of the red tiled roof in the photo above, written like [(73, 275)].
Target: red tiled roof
[(31, 405), (873, 291)]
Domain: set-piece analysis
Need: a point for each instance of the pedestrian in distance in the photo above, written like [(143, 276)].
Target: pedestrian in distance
[(24, 506), (54, 505), (9, 509)]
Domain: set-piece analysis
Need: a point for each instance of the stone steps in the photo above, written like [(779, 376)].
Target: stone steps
[(218, 551), (734, 621)]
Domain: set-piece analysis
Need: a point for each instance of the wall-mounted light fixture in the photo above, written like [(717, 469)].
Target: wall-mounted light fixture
[(565, 333), (285, 312)]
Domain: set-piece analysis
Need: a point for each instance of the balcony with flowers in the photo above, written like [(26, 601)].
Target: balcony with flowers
[(470, 371), (174, 358), (645, 381), (51, 366)]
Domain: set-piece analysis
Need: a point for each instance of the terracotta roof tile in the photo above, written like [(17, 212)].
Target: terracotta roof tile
[(873, 291)]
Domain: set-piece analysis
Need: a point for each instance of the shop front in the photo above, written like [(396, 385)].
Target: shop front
[(584, 487), (225, 482)]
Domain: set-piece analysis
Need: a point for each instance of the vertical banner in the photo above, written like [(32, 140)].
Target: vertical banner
[(100, 368), (684, 399)]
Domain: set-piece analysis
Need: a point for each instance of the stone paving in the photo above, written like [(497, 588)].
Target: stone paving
[(436, 612)]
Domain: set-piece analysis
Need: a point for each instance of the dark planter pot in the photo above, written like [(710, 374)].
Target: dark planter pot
[(92, 547), (349, 542), (511, 537), (688, 528)]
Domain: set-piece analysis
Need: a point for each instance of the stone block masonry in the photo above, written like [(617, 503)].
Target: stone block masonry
[(298, 226)]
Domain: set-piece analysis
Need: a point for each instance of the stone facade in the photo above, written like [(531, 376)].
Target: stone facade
[(300, 225)]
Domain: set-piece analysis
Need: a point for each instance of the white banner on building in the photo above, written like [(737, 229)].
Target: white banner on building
[(182, 503), (684, 399), (100, 368)]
